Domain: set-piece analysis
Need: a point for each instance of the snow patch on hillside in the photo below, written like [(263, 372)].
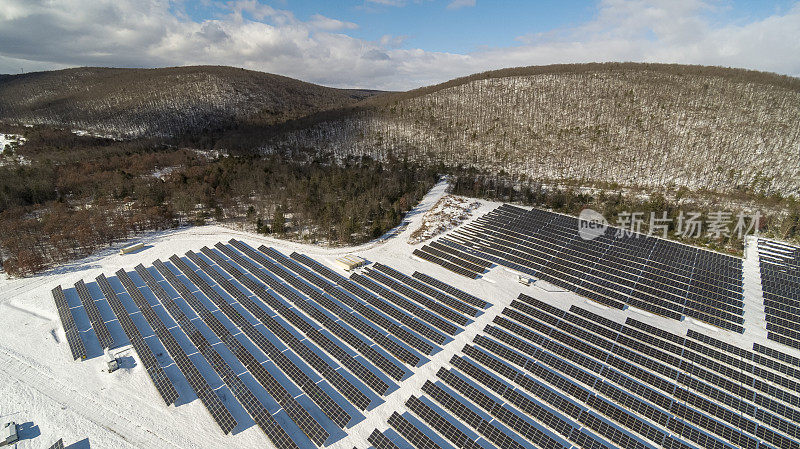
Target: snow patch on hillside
[(10, 140), (447, 213)]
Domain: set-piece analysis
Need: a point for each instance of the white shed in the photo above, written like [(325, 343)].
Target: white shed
[(8, 434), (349, 262), (130, 249)]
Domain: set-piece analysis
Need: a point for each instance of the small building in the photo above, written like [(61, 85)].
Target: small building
[(8, 434), (112, 363), (524, 280), (350, 262), (130, 249)]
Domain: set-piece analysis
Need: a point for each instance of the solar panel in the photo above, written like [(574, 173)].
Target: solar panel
[(381, 441), (348, 390), (460, 294), (209, 397), (441, 424), (425, 255), (412, 434), (335, 350), (504, 415), (58, 444), (327, 404), (775, 354), (362, 326), (408, 306), (426, 302), (312, 310), (68, 322), (651, 274), (154, 370), (471, 418), (390, 311), (95, 318), (243, 394), (428, 290)]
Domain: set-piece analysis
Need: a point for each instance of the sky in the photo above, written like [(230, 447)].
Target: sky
[(395, 44)]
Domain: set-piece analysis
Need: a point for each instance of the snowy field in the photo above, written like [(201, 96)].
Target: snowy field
[(53, 397)]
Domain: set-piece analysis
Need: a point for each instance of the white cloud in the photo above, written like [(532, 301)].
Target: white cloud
[(326, 23), (458, 4), (134, 33)]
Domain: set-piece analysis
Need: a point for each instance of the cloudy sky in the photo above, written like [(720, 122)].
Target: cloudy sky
[(395, 44)]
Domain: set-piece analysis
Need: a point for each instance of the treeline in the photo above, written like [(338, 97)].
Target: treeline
[(81, 194), (779, 218)]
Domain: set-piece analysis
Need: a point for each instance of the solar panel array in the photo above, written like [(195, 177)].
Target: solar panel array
[(341, 343), (68, 322), (199, 385), (162, 383), (548, 377), (617, 269), (99, 326), (780, 284)]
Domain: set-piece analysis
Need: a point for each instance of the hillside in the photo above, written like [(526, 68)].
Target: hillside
[(161, 102), (642, 125), (614, 124)]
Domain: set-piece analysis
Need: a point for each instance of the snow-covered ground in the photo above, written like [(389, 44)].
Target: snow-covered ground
[(54, 397), (447, 213)]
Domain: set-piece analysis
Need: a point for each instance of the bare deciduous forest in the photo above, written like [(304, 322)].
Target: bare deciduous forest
[(161, 102), (632, 125)]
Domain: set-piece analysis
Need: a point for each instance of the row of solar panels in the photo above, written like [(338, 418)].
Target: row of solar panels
[(780, 284), (323, 334), (554, 378), (656, 275)]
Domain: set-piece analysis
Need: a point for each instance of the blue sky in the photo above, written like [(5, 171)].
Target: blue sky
[(395, 44), (431, 25)]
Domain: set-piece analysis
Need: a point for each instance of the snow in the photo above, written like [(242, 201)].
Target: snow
[(56, 397), (447, 213), (9, 141), (163, 172), (83, 133)]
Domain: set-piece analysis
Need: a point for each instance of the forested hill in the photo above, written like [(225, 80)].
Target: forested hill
[(626, 124), (648, 125), (162, 102)]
